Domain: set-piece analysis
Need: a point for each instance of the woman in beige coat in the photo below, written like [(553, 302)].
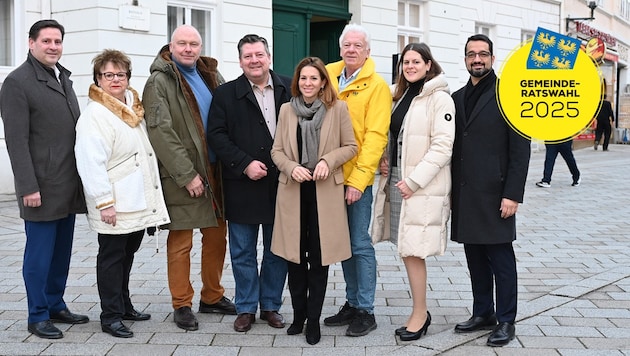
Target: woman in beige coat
[(415, 175), (313, 140)]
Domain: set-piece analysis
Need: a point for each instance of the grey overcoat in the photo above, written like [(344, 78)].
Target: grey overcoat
[(39, 118)]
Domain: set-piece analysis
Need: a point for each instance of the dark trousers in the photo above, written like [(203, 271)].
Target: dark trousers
[(308, 279), (606, 130), (566, 151), (490, 264), (46, 264), (113, 265)]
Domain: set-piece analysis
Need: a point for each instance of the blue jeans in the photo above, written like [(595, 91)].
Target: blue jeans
[(252, 289), (46, 264), (566, 151), (359, 271)]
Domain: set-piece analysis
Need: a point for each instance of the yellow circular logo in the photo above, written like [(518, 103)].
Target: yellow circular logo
[(549, 89)]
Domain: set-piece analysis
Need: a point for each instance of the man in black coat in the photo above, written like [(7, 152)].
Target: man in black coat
[(40, 110), (489, 169), (605, 123), (241, 128)]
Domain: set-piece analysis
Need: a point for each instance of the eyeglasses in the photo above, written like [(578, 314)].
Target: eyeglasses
[(110, 75), (482, 55)]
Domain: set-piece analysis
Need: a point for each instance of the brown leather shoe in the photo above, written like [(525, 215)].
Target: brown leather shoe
[(244, 322), (273, 318)]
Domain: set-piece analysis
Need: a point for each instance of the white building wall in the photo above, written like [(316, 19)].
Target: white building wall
[(506, 20), (236, 19), (379, 18)]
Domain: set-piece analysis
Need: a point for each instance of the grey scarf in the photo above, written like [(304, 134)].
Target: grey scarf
[(310, 120)]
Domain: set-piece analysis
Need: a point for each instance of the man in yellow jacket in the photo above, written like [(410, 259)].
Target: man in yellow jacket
[(369, 102)]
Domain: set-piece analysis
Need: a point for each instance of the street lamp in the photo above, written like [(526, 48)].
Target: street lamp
[(591, 5)]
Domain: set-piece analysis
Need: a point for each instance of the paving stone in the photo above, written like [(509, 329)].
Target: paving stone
[(554, 342), (590, 352), (574, 287), (187, 350)]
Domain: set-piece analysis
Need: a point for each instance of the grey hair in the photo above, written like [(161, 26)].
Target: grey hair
[(353, 27)]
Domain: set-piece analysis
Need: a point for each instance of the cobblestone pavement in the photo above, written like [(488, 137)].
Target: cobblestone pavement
[(573, 251)]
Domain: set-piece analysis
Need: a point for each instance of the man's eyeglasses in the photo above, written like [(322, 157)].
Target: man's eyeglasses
[(110, 75), (482, 55)]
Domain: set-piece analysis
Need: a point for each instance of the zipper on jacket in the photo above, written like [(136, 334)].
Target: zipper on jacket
[(123, 161)]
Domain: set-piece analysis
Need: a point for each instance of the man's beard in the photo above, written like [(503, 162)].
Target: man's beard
[(479, 73)]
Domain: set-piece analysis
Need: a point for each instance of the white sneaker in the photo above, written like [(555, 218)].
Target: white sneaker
[(576, 183), (544, 184)]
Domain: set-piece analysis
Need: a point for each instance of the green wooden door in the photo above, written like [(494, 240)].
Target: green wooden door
[(289, 40), (306, 28), (325, 40)]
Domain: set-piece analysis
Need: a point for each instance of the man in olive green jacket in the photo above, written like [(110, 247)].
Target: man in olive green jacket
[(177, 99)]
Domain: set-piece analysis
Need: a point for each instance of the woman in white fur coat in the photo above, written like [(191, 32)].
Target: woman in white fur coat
[(121, 182), (413, 200)]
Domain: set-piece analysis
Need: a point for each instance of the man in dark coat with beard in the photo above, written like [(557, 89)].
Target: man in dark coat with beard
[(490, 162)]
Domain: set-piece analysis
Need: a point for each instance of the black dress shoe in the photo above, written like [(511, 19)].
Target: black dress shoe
[(185, 319), (136, 316), (502, 334), (223, 306), (45, 329), (400, 330), (415, 335), (476, 323), (117, 329), (67, 317)]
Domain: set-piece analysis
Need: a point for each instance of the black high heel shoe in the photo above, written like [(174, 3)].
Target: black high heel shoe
[(400, 330), (415, 335)]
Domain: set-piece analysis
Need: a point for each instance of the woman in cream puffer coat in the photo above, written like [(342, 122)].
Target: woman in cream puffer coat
[(412, 203)]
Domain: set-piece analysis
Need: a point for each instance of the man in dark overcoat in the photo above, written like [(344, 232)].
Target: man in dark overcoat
[(241, 128), (489, 169), (40, 109)]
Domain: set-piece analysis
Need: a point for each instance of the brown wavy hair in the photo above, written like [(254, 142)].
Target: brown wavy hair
[(328, 95), (113, 56)]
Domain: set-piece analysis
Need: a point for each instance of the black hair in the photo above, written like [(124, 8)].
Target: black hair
[(251, 38), (479, 37), (33, 33)]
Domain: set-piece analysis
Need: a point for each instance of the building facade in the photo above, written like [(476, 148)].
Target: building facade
[(294, 29), (609, 22)]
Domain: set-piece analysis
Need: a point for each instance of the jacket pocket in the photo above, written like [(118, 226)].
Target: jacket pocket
[(129, 193), (128, 185)]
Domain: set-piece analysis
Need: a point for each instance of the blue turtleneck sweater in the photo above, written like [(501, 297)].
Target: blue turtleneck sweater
[(203, 95)]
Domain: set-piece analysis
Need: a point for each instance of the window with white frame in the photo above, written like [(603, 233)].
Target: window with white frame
[(527, 35), (194, 15), (624, 9), (482, 29), (409, 22), (6, 33)]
